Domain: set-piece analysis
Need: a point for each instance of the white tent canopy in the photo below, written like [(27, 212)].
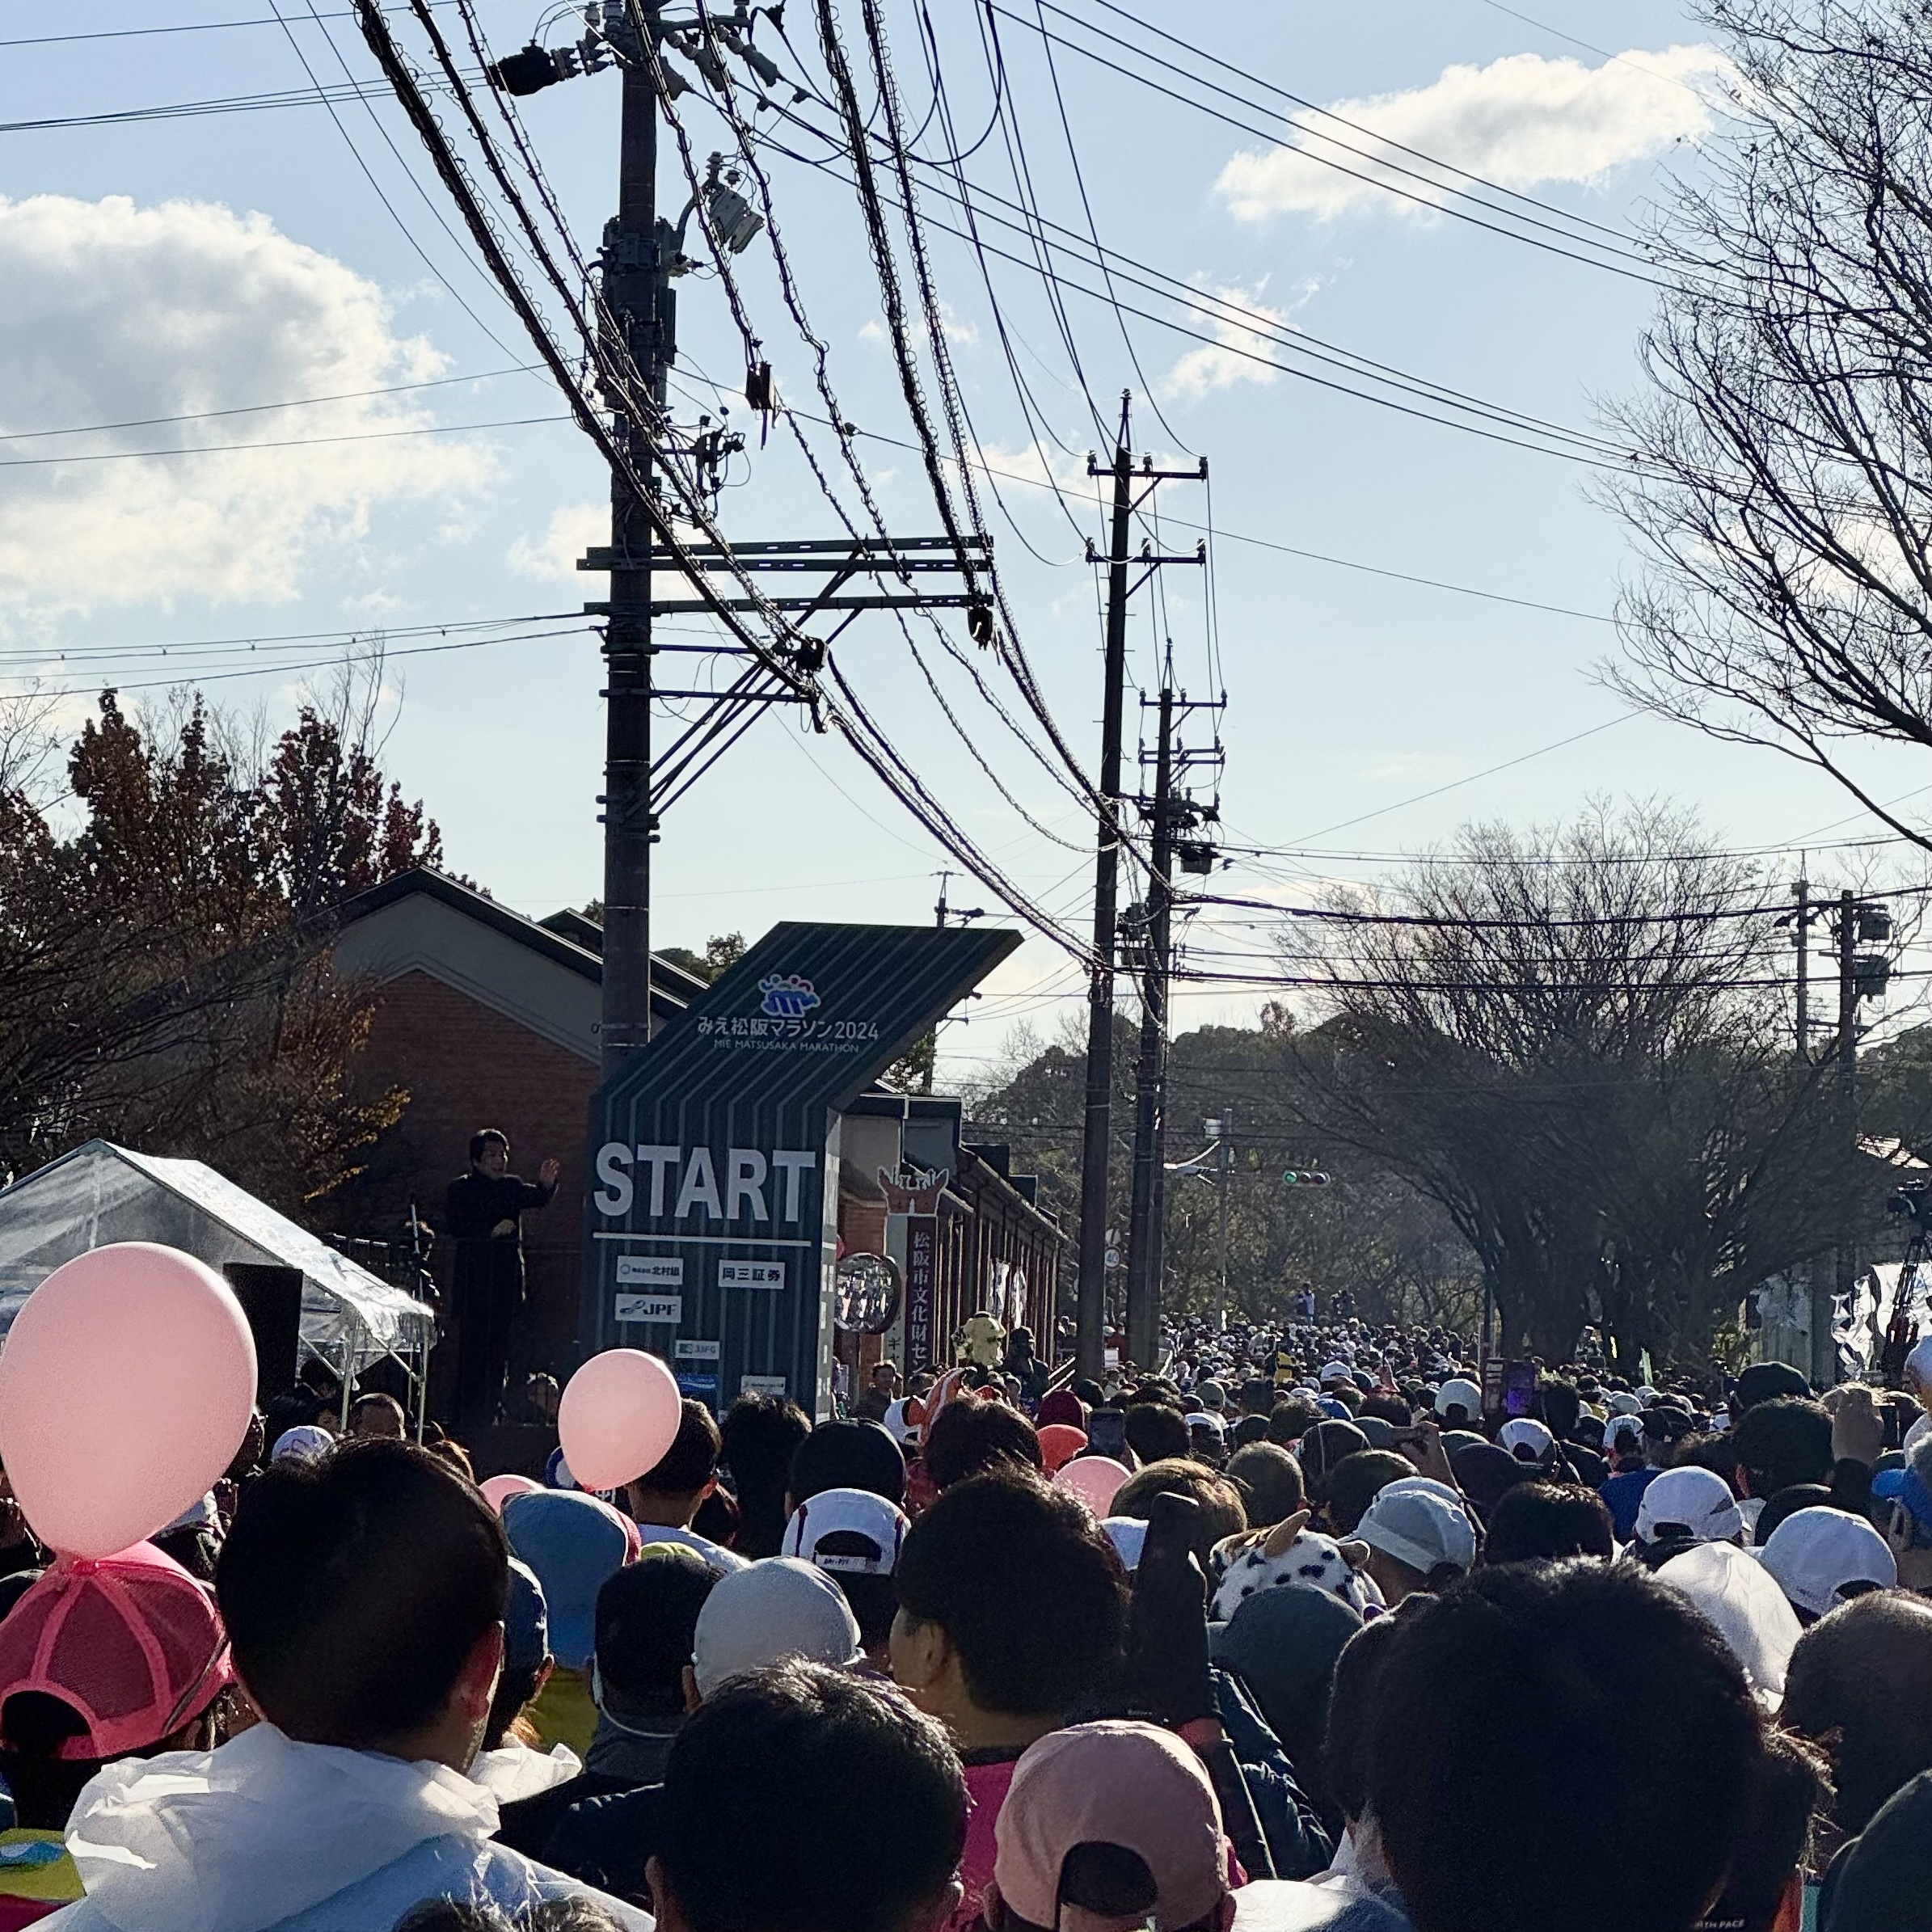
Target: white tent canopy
[(101, 1193)]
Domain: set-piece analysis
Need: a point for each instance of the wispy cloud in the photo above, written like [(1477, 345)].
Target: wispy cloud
[(1523, 121), (1241, 351)]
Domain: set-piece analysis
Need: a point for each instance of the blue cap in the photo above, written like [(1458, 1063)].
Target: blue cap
[(525, 1620), (1336, 1411), (1904, 1486), (574, 1543)]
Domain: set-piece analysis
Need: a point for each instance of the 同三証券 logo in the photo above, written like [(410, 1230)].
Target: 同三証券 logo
[(787, 996)]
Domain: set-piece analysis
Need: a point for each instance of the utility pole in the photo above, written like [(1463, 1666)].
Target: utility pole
[(1168, 814), (1224, 1168), (1846, 1096), (1143, 1234), (1803, 918), (637, 292), (1097, 1124)]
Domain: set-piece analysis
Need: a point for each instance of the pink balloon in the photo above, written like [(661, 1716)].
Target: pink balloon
[(498, 1490), (126, 1385), (1095, 1479), (619, 1414)]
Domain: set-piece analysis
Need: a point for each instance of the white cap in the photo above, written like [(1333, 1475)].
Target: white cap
[(769, 1611), (1129, 1536), (1731, 1588), (1697, 1499), (1428, 1485), (1618, 1427), (1204, 1418), (1336, 1371), (305, 1442), (1456, 1390), (1622, 1403), (902, 1431), (1916, 1434), (1813, 1554), (1526, 1434), (1419, 1528), (848, 1530)]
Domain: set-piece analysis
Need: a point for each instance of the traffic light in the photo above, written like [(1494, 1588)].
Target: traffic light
[(1305, 1177)]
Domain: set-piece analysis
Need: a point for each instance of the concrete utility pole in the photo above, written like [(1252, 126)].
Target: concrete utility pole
[(1097, 1124), (1845, 1099), (637, 290), (1169, 812), (1144, 1231)]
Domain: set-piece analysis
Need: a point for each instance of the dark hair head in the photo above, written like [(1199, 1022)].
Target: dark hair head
[(692, 1459), (1787, 1503), (354, 1587), (1250, 1429), (1026, 1586), (1515, 1758), (1547, 1521), (376, 1403), (1324, 1447), (1220, 1513), (1156, 1433), (1560, 1405), (489, 1137), (1290, 1419), (848, 1455), (1791, 1784), (1356, 1480), (1351, 1702), (1270, 1481), (1860, 1681), (797, 1763), (760, 1431), (647, 1620), (1782, 1442), (1257, 1396), (968, 1438)]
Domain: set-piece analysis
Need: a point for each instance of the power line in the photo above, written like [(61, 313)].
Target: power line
[(243, 409), (291, 442)]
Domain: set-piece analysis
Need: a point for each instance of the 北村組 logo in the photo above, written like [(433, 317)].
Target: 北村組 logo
[(787, 996)]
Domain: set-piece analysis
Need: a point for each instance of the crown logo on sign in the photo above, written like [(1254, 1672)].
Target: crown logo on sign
[(915, 1190)]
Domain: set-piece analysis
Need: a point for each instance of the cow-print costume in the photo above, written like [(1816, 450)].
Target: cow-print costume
[(1314, 1560)]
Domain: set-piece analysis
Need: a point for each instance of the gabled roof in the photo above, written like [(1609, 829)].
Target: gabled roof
[(680, 986)]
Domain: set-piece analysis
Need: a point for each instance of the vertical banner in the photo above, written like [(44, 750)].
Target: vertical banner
[(916, 1196)]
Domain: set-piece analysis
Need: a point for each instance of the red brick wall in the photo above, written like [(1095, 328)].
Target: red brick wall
[(466, 1066)]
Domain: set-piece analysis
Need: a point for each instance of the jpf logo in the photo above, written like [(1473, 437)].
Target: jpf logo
[(787, 996)]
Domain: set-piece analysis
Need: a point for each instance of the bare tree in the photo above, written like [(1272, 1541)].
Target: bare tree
[(1571, 1040), (1781, 469)]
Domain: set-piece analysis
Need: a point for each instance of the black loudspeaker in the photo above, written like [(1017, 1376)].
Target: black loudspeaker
[(270, 1297)]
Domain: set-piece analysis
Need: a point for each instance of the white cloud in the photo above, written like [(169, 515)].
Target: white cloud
[(1522, 121), (115, 312), (573, 530), (1236, 354), (960, 330)]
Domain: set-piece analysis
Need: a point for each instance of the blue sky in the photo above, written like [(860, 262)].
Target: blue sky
[(220, 261)]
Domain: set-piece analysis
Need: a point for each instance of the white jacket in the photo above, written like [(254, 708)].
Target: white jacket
[(514, 1770), (268, 1835)]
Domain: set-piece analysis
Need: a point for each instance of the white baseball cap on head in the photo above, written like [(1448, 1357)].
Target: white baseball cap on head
[(1822, 1557), (770, 1611), (1418, 1527), (1697, 1499), (1336, 1371), (850, 1531), (1459, 1391), (1526, 1439)]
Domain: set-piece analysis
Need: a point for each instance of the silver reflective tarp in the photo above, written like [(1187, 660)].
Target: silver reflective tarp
[(101, 1193)]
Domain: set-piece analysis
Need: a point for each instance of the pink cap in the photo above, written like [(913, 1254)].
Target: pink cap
[(1134, 1785), (131, 1641)]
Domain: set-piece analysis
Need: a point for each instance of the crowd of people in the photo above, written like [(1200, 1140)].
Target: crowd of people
[(1343, 1648)]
